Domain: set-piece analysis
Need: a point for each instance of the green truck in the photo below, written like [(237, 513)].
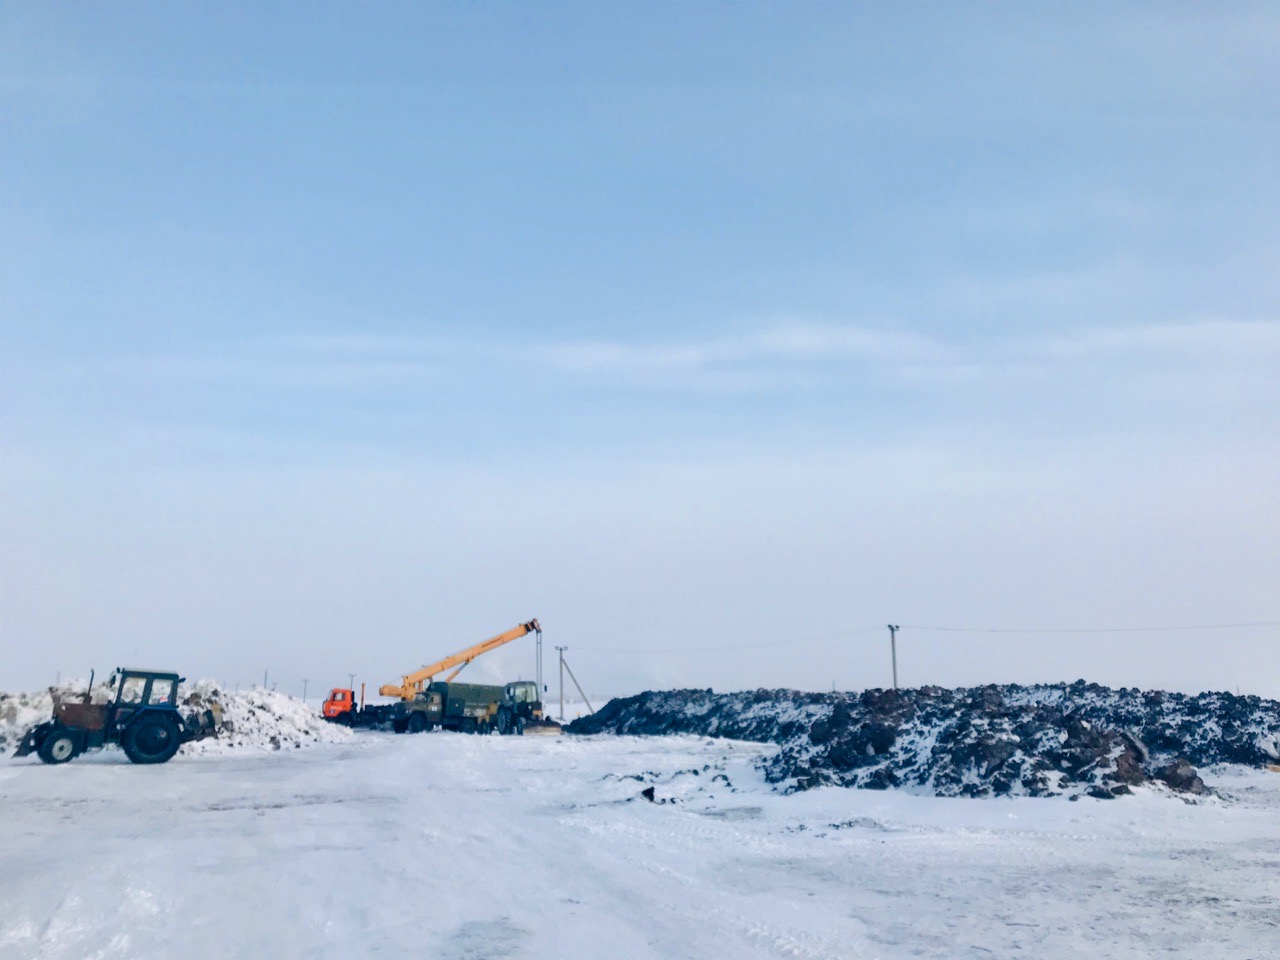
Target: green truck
[(475, 708)]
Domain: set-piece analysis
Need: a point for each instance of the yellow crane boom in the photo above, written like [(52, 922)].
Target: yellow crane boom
[(416, 681)]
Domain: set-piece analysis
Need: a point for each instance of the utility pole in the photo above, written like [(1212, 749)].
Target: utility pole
[(351, 681), (539, 645), (562, 650), (305, 681), (893, 646), (582, 694), (264, 679)]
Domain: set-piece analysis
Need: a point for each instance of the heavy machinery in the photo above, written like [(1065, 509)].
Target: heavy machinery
[(520, 711), (465, 707), (427, 705), (417, 681), (143, 718), (342, 707), (480, 708)]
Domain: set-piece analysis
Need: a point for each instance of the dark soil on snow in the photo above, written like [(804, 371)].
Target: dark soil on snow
[(1074, 739)]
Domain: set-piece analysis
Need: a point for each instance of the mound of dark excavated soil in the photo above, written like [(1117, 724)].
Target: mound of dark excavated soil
[(1073, 739)]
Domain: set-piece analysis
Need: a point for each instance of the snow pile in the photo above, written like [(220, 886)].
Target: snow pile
[(258, 719), (254, 719), (1057, 739), (19, 712)]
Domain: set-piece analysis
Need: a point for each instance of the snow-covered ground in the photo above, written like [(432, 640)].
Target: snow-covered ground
[(454, 847)]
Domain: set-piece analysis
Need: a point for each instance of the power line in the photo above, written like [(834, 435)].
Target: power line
[(1075, 630), (858, 631), (772, 644)]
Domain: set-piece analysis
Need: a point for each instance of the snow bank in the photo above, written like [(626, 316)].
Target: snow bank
[(259, 719), (19, 712), (1073, 739), (254, 719)]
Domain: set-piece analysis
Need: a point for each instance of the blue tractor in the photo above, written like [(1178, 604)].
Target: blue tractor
[(143, 717)]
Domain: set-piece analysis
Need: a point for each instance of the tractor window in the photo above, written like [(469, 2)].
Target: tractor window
[(132, 689), (524, 693), (163, 691)]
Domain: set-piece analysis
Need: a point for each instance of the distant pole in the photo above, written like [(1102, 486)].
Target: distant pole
[(562, 650), (538, 638), (893, 646), (581, 693), (305, 681), (264, 679)]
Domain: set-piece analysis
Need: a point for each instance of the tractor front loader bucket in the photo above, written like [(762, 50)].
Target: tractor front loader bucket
[(542, 728), (206, 723), (30, 741)]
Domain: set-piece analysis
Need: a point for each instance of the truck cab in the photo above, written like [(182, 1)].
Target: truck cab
[(339, 705)]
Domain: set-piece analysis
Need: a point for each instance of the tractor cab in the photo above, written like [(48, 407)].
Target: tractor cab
[(521, 708), (522, 691), (138, 690), (147, 687)]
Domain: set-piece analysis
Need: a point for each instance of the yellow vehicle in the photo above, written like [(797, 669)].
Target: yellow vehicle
[(417, 682)]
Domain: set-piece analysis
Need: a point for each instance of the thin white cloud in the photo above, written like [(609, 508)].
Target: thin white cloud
[(1241, 339), (255, 366), (781, 357), (778, 346)]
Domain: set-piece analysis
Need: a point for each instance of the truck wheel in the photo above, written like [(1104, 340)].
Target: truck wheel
[(58, 746), (400, 726), (504, 722), (151, 740), (417, 723)]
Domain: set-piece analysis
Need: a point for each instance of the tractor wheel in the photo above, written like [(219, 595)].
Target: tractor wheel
[(417, 723), (58, 746), (151, 740), (503, 722)]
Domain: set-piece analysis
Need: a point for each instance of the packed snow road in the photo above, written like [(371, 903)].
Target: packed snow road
[(453, 847)]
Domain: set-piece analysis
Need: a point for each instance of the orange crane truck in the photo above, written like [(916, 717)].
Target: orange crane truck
[(424, 705)]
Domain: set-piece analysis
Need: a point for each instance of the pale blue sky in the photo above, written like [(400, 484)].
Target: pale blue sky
[(334, 337)]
